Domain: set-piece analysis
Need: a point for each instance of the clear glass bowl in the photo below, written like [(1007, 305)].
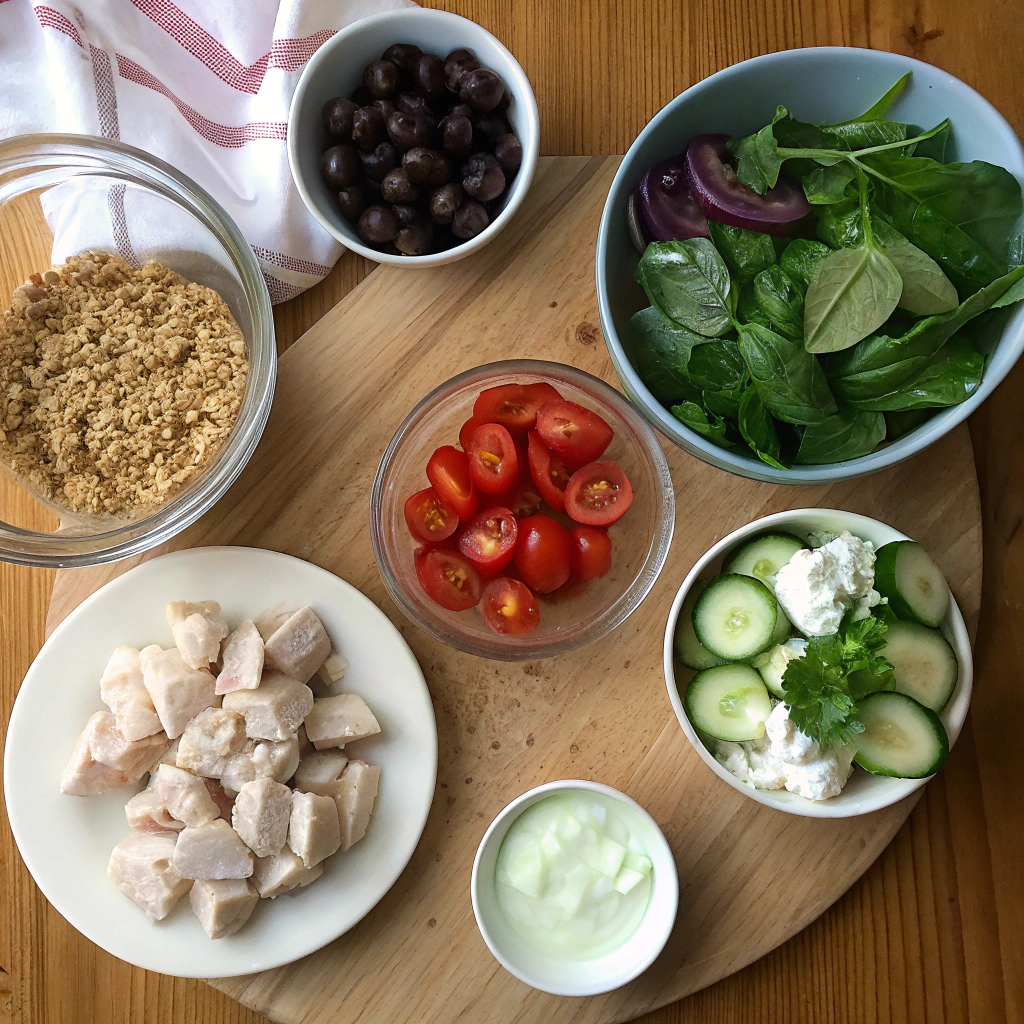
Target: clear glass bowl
[(96, 194), (578, 613)]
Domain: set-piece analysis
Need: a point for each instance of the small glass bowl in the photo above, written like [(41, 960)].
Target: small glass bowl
[(578, 613)]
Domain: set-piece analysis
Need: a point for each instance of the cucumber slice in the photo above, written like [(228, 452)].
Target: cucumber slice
[(901, 737), (728, 702), (763, 557), (735, 617), (923, 663), (772, 664), (916, 588), (783, 627), (689, 650)]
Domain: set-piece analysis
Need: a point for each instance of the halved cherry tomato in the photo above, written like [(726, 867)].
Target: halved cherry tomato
[(493, 462), (448, 578), (570, 430), (549, 472), (598, 494), (508, 607), (466, 431), (591, 552), (543, 553), (514, 406), (429, 517), (448, 471), (523, 499), (489, 540)]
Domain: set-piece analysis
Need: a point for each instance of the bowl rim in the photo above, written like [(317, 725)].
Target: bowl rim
[(523, 649), (92, 155), (522, 94), (665, 869), (923, 436), (898, 789)]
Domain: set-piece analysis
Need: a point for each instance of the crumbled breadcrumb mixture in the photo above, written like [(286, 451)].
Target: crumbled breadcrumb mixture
[(116, 384)]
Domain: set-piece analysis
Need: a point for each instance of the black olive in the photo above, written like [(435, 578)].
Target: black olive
[(381, 79), (488, 128), (505, 102), (444, 202), (482, 177), (429, 75), (481, 88), (410, 130), (457, 64), (377, 225), (339, 167), (361, 97), (383, 159), (427, 167), (456, 135), (337, 118), (469, 220), (408, 216), (462, 110), (402, 55), (416, 239), (386, 107), (397, 188), (368, 128), (509, 153), (413, 103), (352, 201)]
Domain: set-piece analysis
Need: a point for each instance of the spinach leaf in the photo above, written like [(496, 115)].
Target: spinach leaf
[(757, 156), (948, 378), (716, 366), (782, 300), (960, 214), (899, 424), (881, 106), (725, 403), (787, 377), (688, 283), (746, 253), (758, 428), (748, 311), (934, 147), (706, 424), (848, 434), (660, 351), (861, 134), (801, 258), (851, 294), (825, 185)]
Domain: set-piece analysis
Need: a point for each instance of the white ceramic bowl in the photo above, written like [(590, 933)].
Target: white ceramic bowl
[(818, 84), (578, 977), (864, 792), (337, 69)]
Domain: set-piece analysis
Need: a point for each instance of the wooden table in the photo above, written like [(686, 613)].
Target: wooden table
[(933, 932)]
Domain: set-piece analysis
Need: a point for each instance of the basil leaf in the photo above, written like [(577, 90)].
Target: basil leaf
[(848, 434), (851, 294), (782, 301), (758, 428), (801, 258), (880, 107), (948, 378), (716, 366), (746, 253), (825, 185), (659, 351), (757, 156), (787, 377), (708, 425), (688, 283)]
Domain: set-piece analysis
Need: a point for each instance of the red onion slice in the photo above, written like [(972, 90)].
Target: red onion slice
[(664, 208)]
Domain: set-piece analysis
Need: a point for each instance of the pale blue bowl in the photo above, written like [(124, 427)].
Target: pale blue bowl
[(821, 84)]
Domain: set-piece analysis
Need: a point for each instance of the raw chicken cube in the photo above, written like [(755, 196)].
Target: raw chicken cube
[(305, 747), (209, 740), (261, 759), (270, 620), (169, 756), (123, 691), (354, 794), (197, 630), (225, 804), (212, 851), (335, 721), (318, 770), (329, 675), (275, 875), (146, 812), (274, 710), (313, 830), (260, 816), (185, 796), (179, 692), (241, 659), (223, 905), (84, 775), (109, 747), (299, 646), (142, 867)]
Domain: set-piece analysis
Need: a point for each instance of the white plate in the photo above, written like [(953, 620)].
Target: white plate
[(66, 840)]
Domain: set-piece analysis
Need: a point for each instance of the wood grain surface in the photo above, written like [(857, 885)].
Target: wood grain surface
[(933, 931)]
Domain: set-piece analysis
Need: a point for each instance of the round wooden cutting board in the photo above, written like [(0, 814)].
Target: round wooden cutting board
[(749, 876)]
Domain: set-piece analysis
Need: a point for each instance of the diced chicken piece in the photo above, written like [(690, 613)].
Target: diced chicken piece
[(270, 620), (147, 812), (329, 675), (354, 794), (185, 795), (335, 721), (313, 830), (274, 710), (209, 740), (225, 804), (305, 747), (169, 756), (109, 747), (260, 816), (197, 630), (299, 646), (318, 770), (241, 659), (223, 905), (84, 775), (123, 691), (179, 692), (212, 851), (273, 876), (260, 759), (142, 867)]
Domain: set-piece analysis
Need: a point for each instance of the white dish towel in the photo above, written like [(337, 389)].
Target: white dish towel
[(202, 84)]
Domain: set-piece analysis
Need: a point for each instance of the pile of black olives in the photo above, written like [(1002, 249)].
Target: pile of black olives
[(422, 155)]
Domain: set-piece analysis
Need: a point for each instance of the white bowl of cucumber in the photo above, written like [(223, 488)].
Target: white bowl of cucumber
[(880, 691)]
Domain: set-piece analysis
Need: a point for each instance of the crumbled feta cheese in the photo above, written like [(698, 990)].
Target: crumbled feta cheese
[(816, 587)]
